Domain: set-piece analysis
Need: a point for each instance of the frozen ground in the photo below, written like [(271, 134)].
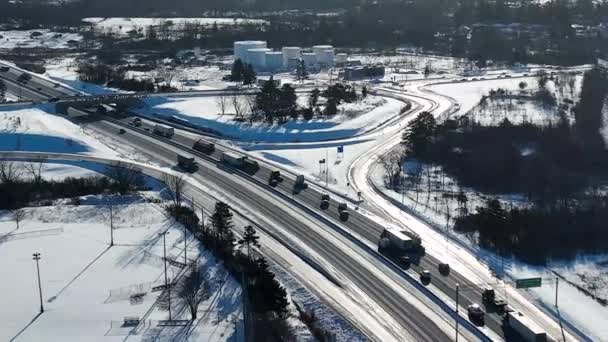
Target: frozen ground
[(36, 129), (353, 119), (64, 70), (28, 39), (86, 285)]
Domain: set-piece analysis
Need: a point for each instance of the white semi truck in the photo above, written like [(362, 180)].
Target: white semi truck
[(399, 240), (164, 131), (525, 327)]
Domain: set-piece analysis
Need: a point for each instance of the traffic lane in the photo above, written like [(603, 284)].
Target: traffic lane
[(362, 226), (23, 92), (37, 83), (408, 315)]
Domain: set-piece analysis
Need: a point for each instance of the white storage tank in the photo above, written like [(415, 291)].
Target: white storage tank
[(309, 58), (292, 63), (241, 48), (341, 58), (274, 60), (318, 49), (257, 58), (290, 53), (326, 58)]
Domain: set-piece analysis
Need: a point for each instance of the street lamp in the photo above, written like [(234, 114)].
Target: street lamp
[(37, 258), (164, 234)]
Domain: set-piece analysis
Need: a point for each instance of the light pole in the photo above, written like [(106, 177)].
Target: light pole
[(37, 258), (457, 302), (111, 224), (164, 234)]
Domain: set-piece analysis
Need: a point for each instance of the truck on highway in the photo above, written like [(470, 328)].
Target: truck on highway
[(233, 159), (525, 327), (204, 146), (398, 240), (343, 211), (488, 296), (275, 178), (164, 131), (187, 164), (325, 201), (300, 182)]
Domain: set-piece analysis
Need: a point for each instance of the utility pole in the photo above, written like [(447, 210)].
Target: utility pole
[(457, 302), (37, 258), (167, 287), (556, 288), (326, 168), (111, 224), (203, 217)]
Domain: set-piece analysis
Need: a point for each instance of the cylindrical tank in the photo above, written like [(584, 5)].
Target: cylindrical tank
[(309, 58), (257, 58), (241, 48), (274, 60), (326, 57), (341, 58), (292, 63), (290, 53), (320, 48)]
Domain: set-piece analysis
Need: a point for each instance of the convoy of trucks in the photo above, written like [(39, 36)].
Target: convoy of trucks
[(163, 131)]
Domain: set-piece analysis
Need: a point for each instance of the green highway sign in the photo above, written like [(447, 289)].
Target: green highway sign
[(528, 282)]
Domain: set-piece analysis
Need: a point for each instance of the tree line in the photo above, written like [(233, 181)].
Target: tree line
[(561, 175), (22, 184), (265, 299)]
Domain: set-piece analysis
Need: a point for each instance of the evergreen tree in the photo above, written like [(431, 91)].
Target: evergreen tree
[(419, 134), (222, 223), (267, 294), (331, 107), (301, 72), (250, 239), (313, 100), (238, 71), (287, 101), (2, 91), (249, 76), (267, 100), (364, 92)]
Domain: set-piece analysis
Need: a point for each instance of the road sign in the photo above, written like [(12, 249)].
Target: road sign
[(528, 282)]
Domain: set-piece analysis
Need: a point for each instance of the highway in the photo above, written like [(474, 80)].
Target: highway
[(357, 224), (380, 281)]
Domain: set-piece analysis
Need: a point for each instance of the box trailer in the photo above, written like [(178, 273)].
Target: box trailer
[(397, 240), (164, 131), (188, 164), (525, 327), (204, 146), (233, 159)]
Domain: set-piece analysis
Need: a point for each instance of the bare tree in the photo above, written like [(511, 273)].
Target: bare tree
[(127, 177), (222, 103), (415, 177), (391, 162), (10, 172), (18, 215), (175, 185), (239, 105), (35, 169), (193, 290)]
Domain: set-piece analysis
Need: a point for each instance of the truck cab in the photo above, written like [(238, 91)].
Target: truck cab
[(187, 164), (325, 201), (476, 314), (275, 178), (343, 211)]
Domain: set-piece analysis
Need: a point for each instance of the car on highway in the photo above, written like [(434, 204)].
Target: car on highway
[(476, 314), (425, 277), (444, 268), (122, 131), (56, 85), (4, 69)]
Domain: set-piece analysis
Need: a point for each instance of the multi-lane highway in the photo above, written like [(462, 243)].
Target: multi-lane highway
[(278, 205)]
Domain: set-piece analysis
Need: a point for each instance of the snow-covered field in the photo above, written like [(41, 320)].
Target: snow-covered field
[(87, 285), (35, 129), (352, 120), (124, 25), (38, 38)]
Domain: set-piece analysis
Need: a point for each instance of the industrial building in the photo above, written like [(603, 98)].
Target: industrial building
[(264, 59), (358, 73)]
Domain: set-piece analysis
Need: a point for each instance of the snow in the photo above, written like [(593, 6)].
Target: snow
[(124, 25), (36, 129), (354, 119), (48, 39), (86, 297), (64, 70)]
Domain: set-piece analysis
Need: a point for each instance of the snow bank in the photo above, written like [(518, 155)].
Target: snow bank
[(38, 38)]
